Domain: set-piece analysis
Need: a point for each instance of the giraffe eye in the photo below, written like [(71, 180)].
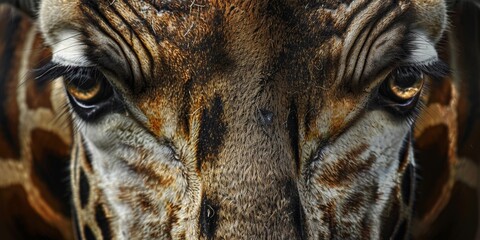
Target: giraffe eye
[(88, 87), (89, 92), (402, 89), (405, 84)]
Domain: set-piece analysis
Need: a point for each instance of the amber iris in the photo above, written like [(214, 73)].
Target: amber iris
[(86, 92), (405, 89)]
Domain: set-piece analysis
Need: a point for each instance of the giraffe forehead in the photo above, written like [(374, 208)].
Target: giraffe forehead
[(186, 51), (163, 41)]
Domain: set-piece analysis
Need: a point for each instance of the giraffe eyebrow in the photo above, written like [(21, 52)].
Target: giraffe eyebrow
[(414, 52), (419, 54)]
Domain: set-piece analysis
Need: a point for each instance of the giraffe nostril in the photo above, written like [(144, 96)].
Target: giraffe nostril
[(208, 218), (210, 212)]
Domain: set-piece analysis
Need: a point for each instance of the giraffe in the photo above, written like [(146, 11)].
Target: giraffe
[(440, 113)]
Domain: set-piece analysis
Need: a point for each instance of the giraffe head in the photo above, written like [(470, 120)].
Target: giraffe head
[(242, 119)]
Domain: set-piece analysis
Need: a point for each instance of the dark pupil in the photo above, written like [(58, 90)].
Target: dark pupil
[(406, 78), (84, 79), (85, 85)]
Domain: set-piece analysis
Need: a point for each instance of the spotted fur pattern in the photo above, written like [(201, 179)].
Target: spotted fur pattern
[(327, 165), (35, 139), (243, 119)]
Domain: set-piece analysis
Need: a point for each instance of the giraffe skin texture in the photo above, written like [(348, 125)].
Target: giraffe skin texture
[(181, 172)]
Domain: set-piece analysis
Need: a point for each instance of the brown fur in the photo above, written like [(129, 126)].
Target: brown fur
[(34, 160), (199, 89), (206, 101)]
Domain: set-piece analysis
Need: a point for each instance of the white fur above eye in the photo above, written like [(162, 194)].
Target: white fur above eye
[(69, 49), (423, 49)]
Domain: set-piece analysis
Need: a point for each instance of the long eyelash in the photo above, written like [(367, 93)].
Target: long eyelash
[(436, 69), (50, 72)]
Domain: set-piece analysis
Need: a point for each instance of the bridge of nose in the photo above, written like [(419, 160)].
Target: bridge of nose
[(241, 129), (246, 163)]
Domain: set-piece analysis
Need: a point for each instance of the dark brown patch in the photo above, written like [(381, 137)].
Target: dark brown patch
[(151, 177), (465, 30), (42, 54), (210, 48), (172, 218), (143, 200), (212, 131), (346, 169), (432, 159), (292, 127), (35, 96), (460, 219), (50, 166), (441, 92), (354, 202), (208, 218), (18, 220), (6, 149), (84, 189), (103, 222), (138, 199), (13, 31), (88, 233), (365, 198)]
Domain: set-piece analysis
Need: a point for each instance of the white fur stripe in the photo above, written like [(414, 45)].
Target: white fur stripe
[(69, 49)]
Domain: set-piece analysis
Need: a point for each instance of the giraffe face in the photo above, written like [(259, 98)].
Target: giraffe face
[(278, 119)]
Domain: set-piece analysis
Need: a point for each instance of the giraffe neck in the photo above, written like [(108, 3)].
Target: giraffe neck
[(34, 137)]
